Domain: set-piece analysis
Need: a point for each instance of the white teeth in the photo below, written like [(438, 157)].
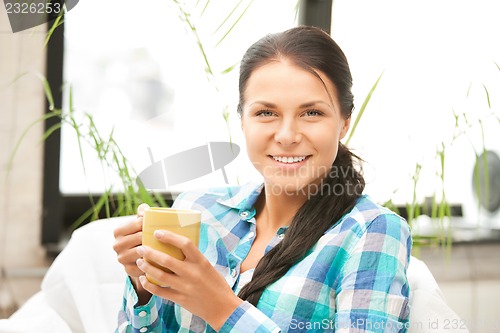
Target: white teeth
[(285, 159)]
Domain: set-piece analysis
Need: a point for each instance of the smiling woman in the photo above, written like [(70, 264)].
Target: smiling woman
[(305, 246), (284, 134)]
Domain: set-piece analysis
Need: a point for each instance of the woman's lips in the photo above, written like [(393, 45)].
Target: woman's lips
[(295, 161)]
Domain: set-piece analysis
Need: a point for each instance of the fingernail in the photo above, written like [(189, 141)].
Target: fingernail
[(142, 208), (140, 250), (139, 262), (142, 278), (159, 233)]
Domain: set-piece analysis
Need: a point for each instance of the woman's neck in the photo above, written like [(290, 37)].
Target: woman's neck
[(278, 209)]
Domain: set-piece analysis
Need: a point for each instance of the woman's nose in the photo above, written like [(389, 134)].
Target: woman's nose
[(288, 133)]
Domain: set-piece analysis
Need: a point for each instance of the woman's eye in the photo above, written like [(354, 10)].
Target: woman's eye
[(313, 113), (264, 113)]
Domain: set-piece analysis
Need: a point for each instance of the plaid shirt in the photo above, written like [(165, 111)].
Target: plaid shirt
[(352, 280)]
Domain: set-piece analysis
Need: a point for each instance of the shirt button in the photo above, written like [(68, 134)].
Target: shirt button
[(251, 234), (142, 314), (234, 273), (244, 214), (144, 329), (281, 236)]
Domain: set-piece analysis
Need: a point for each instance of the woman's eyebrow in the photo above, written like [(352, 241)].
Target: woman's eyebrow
[(266, 104), (309, 104), (304, 105)]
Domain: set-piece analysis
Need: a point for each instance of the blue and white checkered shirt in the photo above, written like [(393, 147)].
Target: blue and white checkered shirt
[(352, 280)]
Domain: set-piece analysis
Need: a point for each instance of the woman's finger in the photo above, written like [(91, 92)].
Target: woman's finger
[(185, 244), (128, 228), (141, 209), (163, 292), (128, 242), (157, 274), (162, 259), (128, 257)]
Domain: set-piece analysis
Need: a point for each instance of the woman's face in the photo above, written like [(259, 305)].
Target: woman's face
[(292, 126)]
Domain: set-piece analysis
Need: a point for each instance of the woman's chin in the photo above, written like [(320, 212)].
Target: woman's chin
[(287, 186)]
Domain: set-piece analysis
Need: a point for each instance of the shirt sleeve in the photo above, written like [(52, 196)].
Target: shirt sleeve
[(247, 318), (156, 316), (373, 292)]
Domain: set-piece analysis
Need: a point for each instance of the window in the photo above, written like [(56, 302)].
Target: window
[(436, 56), (137, 68)]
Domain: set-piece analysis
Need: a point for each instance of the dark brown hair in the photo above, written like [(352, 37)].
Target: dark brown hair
[(313, 50)]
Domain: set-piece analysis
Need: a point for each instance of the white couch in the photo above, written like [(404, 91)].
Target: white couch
[(82, 290)]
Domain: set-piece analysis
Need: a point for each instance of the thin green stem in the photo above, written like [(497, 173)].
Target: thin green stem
[(227, 17), (234, 24), (363, 108)]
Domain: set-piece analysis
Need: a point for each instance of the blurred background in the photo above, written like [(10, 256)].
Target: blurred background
[(160, 77)]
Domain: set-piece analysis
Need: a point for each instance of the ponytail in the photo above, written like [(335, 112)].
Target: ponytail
[(337, 196)]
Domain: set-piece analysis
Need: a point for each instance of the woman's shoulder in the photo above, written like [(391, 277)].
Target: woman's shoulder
[(369, 216), (367, 209), (369, 222)]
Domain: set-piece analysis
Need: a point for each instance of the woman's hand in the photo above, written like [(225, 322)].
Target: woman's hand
[(127, 238), (194, 284)]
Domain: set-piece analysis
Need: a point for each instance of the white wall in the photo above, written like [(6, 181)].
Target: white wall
[(469, 277), (22, 101)]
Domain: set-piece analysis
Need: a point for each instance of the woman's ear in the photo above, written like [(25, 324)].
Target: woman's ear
[(240, 115), (345, 127)]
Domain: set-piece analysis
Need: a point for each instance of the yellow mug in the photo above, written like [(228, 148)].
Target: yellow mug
[(180, 221)]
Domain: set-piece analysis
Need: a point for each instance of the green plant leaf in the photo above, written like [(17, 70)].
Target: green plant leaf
[(58, 22), (23, 135), (79, 221), (93, 212), (70, 106), (230, 68), (73, 124), (487, 96), (205, 8), (419, 240), (48, 90), (227, 17), (297, 10), (234, 24), (109, 154), (468, 90), (14, 80), (363, 107), (49, 131)]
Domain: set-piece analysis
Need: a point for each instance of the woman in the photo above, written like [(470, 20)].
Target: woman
[(305, 250)]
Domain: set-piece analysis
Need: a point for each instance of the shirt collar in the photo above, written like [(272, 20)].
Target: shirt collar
[(243, 197)]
